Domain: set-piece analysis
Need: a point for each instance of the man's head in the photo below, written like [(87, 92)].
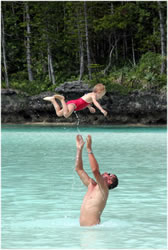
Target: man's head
[(111, 180)]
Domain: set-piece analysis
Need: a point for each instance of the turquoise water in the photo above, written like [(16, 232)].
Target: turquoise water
[(42, 194)]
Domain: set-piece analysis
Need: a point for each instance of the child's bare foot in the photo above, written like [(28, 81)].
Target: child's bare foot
[(52, 98), (59, 97), (49, 98)]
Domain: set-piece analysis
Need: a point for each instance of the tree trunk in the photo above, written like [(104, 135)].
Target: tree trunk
[(50, 66), (28, 51), (116, 48), (81, 55), (163, 38), (87, 41), (133, 52), (110, 55), (49, 71), (4, 52), (124, 45), (115, 36), (81, 48), (50, 61)]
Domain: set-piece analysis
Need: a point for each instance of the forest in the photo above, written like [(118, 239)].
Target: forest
[(119, 43)]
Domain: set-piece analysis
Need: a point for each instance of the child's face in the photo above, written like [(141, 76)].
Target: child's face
[(100, 94)]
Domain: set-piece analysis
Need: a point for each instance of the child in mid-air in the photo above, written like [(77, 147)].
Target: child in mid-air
[(86, 100)]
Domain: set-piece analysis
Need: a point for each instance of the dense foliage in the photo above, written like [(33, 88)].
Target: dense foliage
[(118, 43)]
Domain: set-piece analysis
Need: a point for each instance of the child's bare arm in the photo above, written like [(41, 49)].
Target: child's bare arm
[(91, 109), (98, 105)]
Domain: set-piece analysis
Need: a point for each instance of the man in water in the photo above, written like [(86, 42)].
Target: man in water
[(95, 199)]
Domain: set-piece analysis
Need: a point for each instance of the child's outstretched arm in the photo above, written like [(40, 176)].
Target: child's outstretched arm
[(99, 106)]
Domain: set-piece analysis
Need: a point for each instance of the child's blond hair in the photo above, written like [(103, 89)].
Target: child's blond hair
[(99, 88)]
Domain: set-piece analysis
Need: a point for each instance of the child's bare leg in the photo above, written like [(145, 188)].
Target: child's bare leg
[(67, 109), (64, 106), (71, 108), (57, 108)]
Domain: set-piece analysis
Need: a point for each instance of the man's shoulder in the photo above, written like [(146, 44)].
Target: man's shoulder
[(103, 188)]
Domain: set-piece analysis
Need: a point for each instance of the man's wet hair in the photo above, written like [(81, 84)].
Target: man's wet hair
[(115, 182)]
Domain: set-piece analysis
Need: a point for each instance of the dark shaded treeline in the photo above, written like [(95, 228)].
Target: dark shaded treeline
[(49, 42)]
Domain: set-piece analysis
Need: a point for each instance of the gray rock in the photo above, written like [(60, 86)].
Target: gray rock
[(73, 87), (135, 108)]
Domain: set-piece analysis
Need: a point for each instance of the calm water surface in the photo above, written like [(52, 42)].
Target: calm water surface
[(42, 194)]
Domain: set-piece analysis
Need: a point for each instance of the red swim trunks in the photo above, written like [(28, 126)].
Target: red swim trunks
[(79, 103)]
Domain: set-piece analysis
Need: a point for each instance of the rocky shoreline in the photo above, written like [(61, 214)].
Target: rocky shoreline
[(137, 108)]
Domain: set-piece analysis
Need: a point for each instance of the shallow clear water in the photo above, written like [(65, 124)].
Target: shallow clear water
[(42, 194)]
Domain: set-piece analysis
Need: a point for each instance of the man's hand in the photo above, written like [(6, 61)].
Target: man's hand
[(79, 142), (89, 143)]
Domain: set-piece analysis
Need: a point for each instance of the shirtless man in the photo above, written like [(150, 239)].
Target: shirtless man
[(97, 193)]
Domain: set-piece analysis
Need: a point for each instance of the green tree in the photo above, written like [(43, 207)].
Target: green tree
[(50, 41)]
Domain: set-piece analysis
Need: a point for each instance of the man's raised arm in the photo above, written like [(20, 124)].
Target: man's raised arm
[(79, 163), (94, 165)]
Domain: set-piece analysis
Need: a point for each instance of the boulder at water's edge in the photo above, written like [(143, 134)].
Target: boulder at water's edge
[(147, 107)]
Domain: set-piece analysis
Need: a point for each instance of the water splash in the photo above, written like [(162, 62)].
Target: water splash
[(69, 214), (78, 121)]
